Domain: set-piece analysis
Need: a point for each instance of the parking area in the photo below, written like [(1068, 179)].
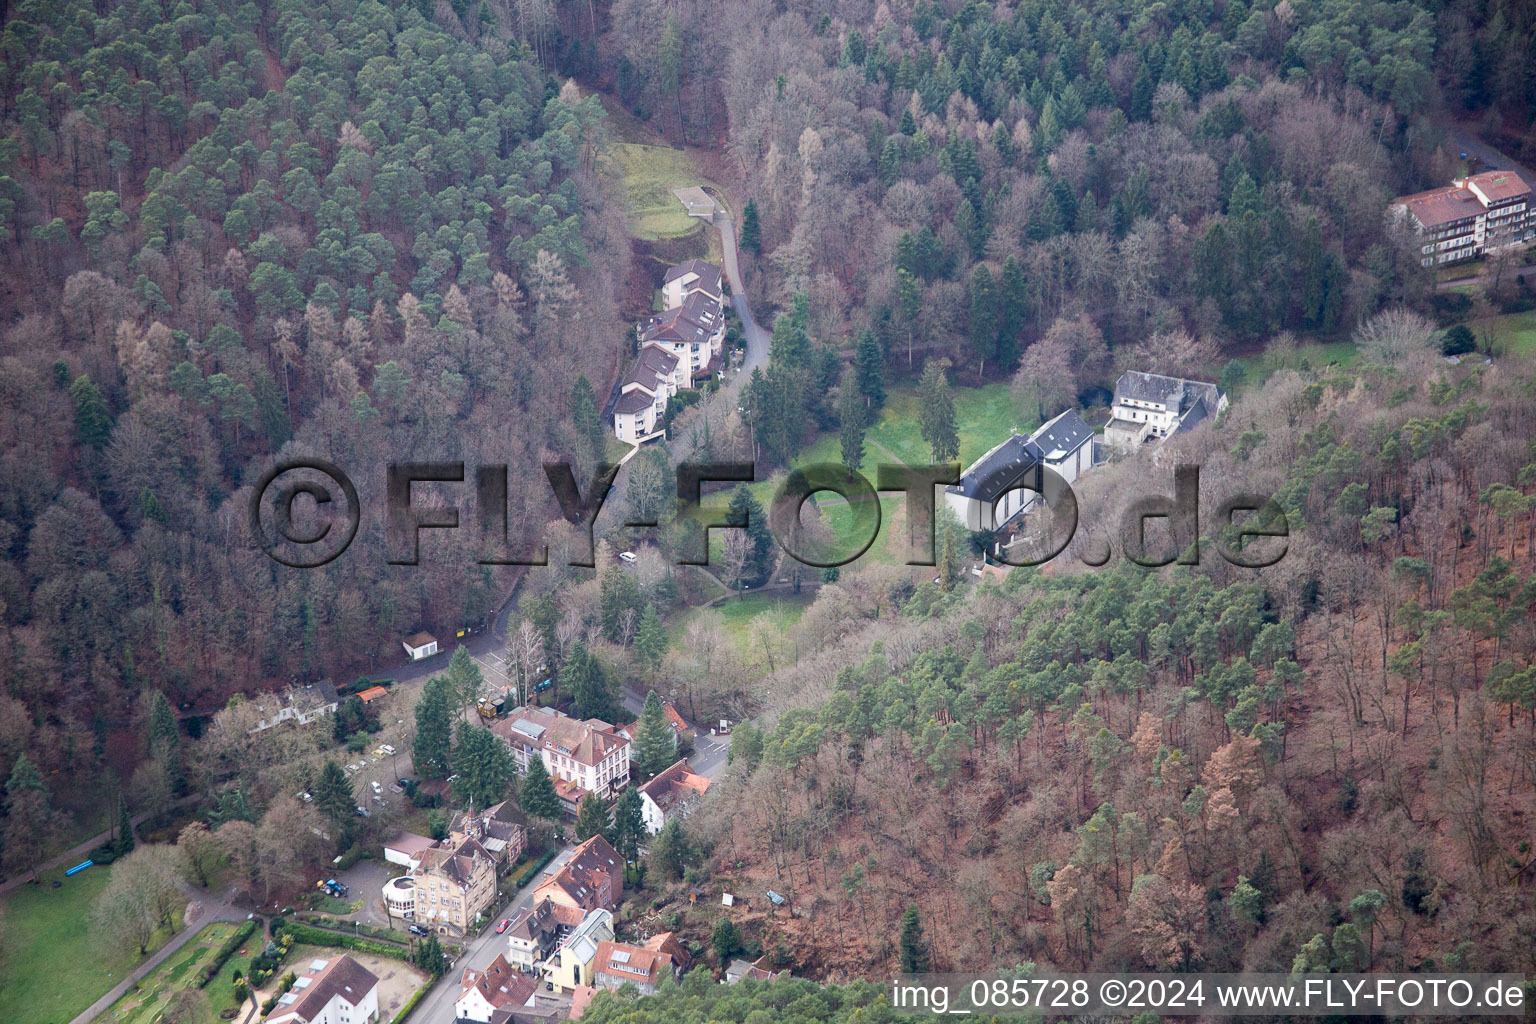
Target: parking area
[(365, 881)]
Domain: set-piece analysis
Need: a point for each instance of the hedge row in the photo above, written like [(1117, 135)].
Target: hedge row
[(325, 937), (234, 942), (410, 1004), (521, 876), (371, 930)]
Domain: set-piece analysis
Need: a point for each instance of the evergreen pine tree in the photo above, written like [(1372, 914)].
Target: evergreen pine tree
[(165, 740), (93, 422), (724, 940), (869, 369), (464, 677), (655, 746), (983, 322), (587, 684), (482, 766), (591, 818), (125, 841), (751, 230), (334, 799), (852, 413), (651, 639), (628, 824), (538, 797), (670, 851), (914, 947), (587, 419), (434, 728), (745, 506), (937, 405)]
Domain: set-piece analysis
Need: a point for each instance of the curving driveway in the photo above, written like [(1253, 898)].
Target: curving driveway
[(756, 337)]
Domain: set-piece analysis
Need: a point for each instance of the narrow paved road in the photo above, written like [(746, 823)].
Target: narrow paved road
[(756, 337)]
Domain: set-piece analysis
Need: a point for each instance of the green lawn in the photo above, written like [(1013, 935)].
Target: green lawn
[(1513, 333), (147, 1004), (1314, 355), (51, 967), (647, 175)]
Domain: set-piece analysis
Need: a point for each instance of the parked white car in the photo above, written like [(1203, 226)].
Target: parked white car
[(376, 787), (388, 750), (628, 556)]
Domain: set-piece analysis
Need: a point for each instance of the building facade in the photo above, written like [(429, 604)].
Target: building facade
[(581, 757), (571, 963), (1008, 479), (1479, 214), (593, 879), (1149, 407), (454, 885), (671, 794), (335, 991)]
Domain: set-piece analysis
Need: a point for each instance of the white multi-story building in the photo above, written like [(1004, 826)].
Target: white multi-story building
[(1474, 215), (642, 402), (335, 991), (1151, 407), (581, 757)]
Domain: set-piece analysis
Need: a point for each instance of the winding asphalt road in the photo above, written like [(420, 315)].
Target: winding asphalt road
[(757, 338)]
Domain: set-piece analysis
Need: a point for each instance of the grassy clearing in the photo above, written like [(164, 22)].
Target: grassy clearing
[(647, 176), (179, 973), (1514, 334), (52, 967), (1258, 368)]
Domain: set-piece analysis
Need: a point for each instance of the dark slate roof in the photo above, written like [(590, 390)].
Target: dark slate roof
[(1000, 470), (692, 322), (653, 365), (1065, 434), (1174, 392), (631, 402), (709, 274)]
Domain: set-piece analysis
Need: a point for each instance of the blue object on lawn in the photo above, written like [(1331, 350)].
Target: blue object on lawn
[(78, 868), (776, 899)]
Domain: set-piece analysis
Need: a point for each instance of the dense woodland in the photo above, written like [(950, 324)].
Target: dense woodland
[(1330, 762), (231, 231), (376, 232)]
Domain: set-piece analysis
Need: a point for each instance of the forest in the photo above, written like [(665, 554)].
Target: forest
[(374, 231)]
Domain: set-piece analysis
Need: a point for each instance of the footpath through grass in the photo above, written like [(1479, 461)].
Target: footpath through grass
[(178, 974), (52, 967)]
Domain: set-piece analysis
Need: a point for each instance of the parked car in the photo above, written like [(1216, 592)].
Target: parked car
[(628, 556), (363, 812), (389, 751), (506, 923), (376, 787), (417, 929), (306, 798)]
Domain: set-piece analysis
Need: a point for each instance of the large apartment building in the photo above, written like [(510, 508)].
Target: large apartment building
[(1471, 216), (690, 333), (581, 757)]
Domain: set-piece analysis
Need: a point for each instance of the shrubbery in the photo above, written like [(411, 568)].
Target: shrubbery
[(227, 950)]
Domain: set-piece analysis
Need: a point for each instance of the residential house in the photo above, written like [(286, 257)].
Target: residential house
[(643, 394), (300, 705), (618, 963), (335, 991), (696, 201), (419, 645), (495, 991), (671, 794), (755, 969), (536, 930), (1471, 216), (694, 331), (1152, 407), (571, 963), (581, 756), (693, 277), (455, 883), (498, 829), (1008, 478), (406, 849), (679, 726), (592, 879)]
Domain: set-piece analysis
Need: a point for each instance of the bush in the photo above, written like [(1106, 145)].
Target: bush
[(1458, 341), (354, 853), (211, 969), (307, 933)]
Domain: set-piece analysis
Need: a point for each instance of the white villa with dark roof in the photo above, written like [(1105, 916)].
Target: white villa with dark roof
[(335, 991), (1152, 407), (991, 491)]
